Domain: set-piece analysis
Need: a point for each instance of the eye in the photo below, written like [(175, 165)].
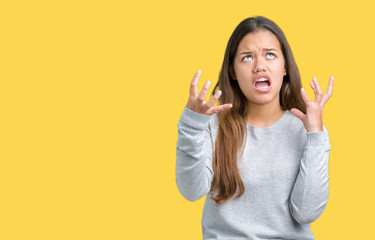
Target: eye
[(271, 55), (247, 58)]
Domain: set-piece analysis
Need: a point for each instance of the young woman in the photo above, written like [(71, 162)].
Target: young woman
[(262, 154)]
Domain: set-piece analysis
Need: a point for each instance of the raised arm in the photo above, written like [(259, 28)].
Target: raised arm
[(194, 151), (194, 155), (310, 192), (309, 195)]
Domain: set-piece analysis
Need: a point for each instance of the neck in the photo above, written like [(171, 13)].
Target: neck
[(263, 115)]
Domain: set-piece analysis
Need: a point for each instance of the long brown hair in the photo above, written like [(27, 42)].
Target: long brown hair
[(232, 130)]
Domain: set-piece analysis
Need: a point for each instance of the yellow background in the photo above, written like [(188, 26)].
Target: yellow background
[(91, 93)]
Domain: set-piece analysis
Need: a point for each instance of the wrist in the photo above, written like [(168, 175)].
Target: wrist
[(315, 128), (315, 138)]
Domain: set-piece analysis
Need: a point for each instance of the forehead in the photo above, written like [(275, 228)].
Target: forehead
[(259, 40)]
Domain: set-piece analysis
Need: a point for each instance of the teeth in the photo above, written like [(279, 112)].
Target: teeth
[(262, 80), (263, 87)]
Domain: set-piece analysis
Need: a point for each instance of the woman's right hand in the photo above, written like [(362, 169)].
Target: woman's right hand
[(196, 102)]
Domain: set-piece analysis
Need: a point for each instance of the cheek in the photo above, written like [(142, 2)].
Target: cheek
[(244, 71), (279, 72), (278, 77)]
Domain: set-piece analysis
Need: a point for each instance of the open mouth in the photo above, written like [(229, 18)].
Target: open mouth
[(262, 84)]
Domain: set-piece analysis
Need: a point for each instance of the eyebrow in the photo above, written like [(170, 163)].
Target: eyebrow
[(264, 49)]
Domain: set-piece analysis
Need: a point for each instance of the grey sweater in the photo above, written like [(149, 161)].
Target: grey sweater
[(284, 169)]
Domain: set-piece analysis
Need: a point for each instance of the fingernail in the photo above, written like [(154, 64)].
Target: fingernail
[(332, 77), (218, 93), (208, 83), (199, 71), (230, 105), (303, 89), (314, 78)]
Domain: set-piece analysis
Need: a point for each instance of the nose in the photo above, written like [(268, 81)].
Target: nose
[(259, 65)]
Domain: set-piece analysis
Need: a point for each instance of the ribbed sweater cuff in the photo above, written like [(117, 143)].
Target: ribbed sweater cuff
[(315, 139), (194, 119)]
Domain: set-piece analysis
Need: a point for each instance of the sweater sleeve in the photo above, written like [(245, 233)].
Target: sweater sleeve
[(194, 155), (309, 195)]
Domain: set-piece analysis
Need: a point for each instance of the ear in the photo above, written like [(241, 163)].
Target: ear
[(232, 73), (285, 72)]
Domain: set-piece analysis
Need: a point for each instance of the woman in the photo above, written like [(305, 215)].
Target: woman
[(262, 154)]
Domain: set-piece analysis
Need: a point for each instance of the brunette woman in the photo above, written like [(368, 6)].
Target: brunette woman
[(262, 155)]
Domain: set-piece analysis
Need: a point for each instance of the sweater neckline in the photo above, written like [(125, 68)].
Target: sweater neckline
[(274, 126)]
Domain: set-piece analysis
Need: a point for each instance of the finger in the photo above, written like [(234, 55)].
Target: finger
[(298, 114), (213, 100), (318, 89), (328, 94), (194, 85), (305, 98), (203, 93), (219, 108), (313, 87)]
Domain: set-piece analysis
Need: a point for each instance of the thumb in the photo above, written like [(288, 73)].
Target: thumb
[(298, 114)]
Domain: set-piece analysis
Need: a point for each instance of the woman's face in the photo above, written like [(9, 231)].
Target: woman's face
[(260, 67)]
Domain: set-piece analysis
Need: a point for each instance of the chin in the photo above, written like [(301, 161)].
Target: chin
[(264, 99)]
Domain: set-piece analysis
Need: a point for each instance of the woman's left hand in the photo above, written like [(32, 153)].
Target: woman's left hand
[(313, 119)]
